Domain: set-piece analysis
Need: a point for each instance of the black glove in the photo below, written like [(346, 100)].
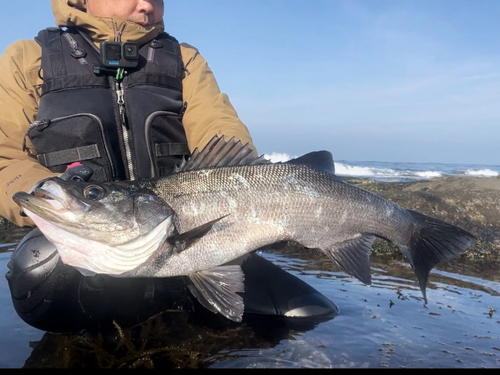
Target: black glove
[(52, 296), (77, 173)]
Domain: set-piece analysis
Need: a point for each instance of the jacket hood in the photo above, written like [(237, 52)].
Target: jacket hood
[(73, 13)]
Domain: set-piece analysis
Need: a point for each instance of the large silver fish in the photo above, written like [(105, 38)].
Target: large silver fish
[(221, 204)]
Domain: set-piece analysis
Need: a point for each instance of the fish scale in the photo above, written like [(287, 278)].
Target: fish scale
[(278, 194)]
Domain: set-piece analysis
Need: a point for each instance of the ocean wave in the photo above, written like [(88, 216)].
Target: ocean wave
[(482, 173), (378, 173), (276, 157), (391, 171), (359, 171)]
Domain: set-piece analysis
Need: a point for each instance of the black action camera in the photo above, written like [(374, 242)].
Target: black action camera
[(119, 55)]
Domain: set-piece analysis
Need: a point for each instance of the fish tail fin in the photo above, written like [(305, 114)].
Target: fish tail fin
[(433, 242)]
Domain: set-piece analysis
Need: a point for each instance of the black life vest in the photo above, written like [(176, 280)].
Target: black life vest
[(126, 127)]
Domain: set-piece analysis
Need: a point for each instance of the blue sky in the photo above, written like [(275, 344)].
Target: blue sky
[(377, 80)]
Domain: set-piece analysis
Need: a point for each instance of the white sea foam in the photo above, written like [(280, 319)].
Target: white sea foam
[(428, 174), (482, 173), (356, 171), (390, 171), (277, 157)]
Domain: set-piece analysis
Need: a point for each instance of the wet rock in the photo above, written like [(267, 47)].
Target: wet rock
[(468, 202)]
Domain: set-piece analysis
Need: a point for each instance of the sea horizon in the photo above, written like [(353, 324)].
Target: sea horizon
[(403, 171)]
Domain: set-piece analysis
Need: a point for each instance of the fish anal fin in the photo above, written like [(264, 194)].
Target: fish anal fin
[(183, 241), (353, 256), (216, 289)]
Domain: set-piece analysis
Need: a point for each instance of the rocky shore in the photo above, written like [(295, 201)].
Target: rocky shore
[(468, 202)]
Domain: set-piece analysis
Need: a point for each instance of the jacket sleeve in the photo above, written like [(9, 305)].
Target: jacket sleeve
[(209, 112), (19, 95)]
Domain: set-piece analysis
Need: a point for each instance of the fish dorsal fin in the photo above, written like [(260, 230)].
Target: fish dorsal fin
[(221, 153), (318, 159), (354, 257), (216, 289)]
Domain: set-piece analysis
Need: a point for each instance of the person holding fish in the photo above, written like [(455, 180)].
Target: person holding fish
[(108, 95)]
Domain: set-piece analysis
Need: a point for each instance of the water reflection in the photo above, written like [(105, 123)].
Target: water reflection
[(385, 325), (172, 339)]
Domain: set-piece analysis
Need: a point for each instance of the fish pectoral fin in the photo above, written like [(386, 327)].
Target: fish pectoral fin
[(183, 241), (216, 289), (354, 257)]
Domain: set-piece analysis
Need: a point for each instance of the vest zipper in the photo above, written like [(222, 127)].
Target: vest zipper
[(125, 130)]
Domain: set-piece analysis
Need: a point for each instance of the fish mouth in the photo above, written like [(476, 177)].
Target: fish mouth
[(48, 199)]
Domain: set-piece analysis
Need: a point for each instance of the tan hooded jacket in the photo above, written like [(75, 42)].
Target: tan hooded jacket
[(209, 111)]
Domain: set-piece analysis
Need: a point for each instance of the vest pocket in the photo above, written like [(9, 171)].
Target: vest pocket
[(166, 141), (76, 138)]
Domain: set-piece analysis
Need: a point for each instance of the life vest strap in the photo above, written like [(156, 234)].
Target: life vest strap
[(171, 149), (68, 156)]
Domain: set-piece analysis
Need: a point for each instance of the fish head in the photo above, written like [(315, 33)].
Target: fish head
[(106, 228), (110, 212)]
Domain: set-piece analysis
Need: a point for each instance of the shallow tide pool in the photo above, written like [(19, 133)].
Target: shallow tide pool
[(385, 325)]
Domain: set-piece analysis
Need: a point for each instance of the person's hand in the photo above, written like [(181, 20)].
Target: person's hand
[(77, 172)]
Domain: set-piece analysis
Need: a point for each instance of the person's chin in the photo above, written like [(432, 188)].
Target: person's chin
[(143, 24)]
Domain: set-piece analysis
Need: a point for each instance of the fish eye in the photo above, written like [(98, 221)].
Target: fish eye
[(93, 192)]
